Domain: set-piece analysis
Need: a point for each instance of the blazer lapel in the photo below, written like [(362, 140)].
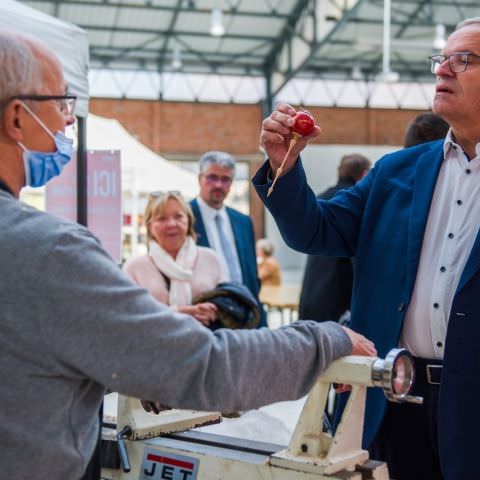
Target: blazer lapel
[(472, 265), (426, 174), (202, 238)]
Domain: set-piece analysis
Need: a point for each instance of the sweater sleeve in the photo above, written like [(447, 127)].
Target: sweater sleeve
[(101, 326)]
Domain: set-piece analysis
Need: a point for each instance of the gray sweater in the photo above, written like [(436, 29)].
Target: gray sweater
[(72, 324)]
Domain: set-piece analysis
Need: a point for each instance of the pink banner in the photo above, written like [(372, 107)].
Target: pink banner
[(104, 197)]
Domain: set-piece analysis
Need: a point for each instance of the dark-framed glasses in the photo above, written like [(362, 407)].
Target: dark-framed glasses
[(457, 62), (66, 103)]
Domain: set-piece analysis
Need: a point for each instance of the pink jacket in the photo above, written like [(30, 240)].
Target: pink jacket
[(206, 274)]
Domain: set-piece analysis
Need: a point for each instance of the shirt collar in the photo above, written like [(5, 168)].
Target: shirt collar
[(210, 212), (450, 144)]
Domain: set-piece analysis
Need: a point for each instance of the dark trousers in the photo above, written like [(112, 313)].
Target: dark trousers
[(408, 436)]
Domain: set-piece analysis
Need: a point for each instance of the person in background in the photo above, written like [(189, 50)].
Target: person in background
[(327, 281), (268, 267), (425, 128), (226, 230), (412, 225), (72, 324), (175, 270)]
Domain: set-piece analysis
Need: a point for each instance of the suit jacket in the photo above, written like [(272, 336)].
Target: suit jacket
[(327, 281), (381, 221), (245, 244)]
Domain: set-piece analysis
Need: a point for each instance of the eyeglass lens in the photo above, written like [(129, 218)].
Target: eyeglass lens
[(67, 105), (456, 62), (212, 178)]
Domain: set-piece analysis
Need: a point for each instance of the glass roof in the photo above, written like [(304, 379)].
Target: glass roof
[(165, 49)]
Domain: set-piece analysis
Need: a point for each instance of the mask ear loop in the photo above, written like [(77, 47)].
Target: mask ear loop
[(37, 118)]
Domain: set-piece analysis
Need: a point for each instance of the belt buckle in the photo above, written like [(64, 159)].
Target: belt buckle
[(429, 374)]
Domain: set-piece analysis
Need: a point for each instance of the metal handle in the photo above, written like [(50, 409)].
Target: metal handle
[(414, 399), (122, 448)]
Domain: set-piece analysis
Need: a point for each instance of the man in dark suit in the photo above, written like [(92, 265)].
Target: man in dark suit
[(327, 281), (413, 226), (226, 230)]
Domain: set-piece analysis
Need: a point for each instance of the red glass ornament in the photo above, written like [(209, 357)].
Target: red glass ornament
[(304, 123)]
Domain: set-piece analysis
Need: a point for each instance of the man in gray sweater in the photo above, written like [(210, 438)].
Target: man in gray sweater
[(72, 325)]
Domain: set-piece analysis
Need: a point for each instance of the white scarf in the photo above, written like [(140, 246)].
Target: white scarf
[(179, 270)]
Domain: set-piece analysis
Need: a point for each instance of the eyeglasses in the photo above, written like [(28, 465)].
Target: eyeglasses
[(212, 178), (66, 103), (457, 62), (164, 193)]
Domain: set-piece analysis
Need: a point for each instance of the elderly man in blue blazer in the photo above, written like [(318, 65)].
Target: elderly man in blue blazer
[(226, 230), (413, 227)]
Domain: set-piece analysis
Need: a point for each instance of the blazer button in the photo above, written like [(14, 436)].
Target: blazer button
[(401, 307)]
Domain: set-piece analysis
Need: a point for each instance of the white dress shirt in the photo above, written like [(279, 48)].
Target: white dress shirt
[(453, 224), (208, 216)]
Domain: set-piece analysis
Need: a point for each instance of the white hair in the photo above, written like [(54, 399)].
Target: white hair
[(21, 72), (223, 159), (467, 22)]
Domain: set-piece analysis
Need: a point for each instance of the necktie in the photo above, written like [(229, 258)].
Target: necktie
[(228, 253)]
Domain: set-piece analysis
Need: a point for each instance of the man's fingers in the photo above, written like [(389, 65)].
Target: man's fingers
[(282, 119), (272, 124), (285, 108), (360, 344), (271, 137)]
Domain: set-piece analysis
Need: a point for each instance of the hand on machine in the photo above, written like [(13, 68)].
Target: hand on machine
[(312, 454)]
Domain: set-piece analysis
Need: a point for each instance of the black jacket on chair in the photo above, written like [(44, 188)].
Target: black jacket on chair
[(245, 244)]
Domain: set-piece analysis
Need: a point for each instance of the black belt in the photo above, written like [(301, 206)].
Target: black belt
[(428, 371)]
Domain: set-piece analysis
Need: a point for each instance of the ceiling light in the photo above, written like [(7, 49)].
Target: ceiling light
[(216, 26), (439, 41), (356, 72), (387, 75), (176, 58)]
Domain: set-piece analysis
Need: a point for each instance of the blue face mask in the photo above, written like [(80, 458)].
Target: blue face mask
[(40, 167)]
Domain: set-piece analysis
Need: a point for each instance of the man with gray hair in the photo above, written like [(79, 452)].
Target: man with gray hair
[(72, 324), (226, 230), (412, 225)]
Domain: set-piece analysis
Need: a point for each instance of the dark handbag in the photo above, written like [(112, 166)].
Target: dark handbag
[(236, 306)]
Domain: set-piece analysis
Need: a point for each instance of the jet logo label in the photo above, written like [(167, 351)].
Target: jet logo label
[(159, 465)]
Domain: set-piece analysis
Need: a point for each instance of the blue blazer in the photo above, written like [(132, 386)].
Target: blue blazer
[(381, 222), (245, 243)]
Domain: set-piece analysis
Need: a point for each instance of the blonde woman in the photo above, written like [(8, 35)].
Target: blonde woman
[(175, 269)]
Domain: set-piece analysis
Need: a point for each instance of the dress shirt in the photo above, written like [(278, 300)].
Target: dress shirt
[(208, 215), (452, 227)]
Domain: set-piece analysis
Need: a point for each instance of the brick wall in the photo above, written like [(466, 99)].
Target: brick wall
[(183, 129), (188, 128)]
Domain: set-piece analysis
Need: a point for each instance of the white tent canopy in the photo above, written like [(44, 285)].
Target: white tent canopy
[(69, 42), (142, 169)]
